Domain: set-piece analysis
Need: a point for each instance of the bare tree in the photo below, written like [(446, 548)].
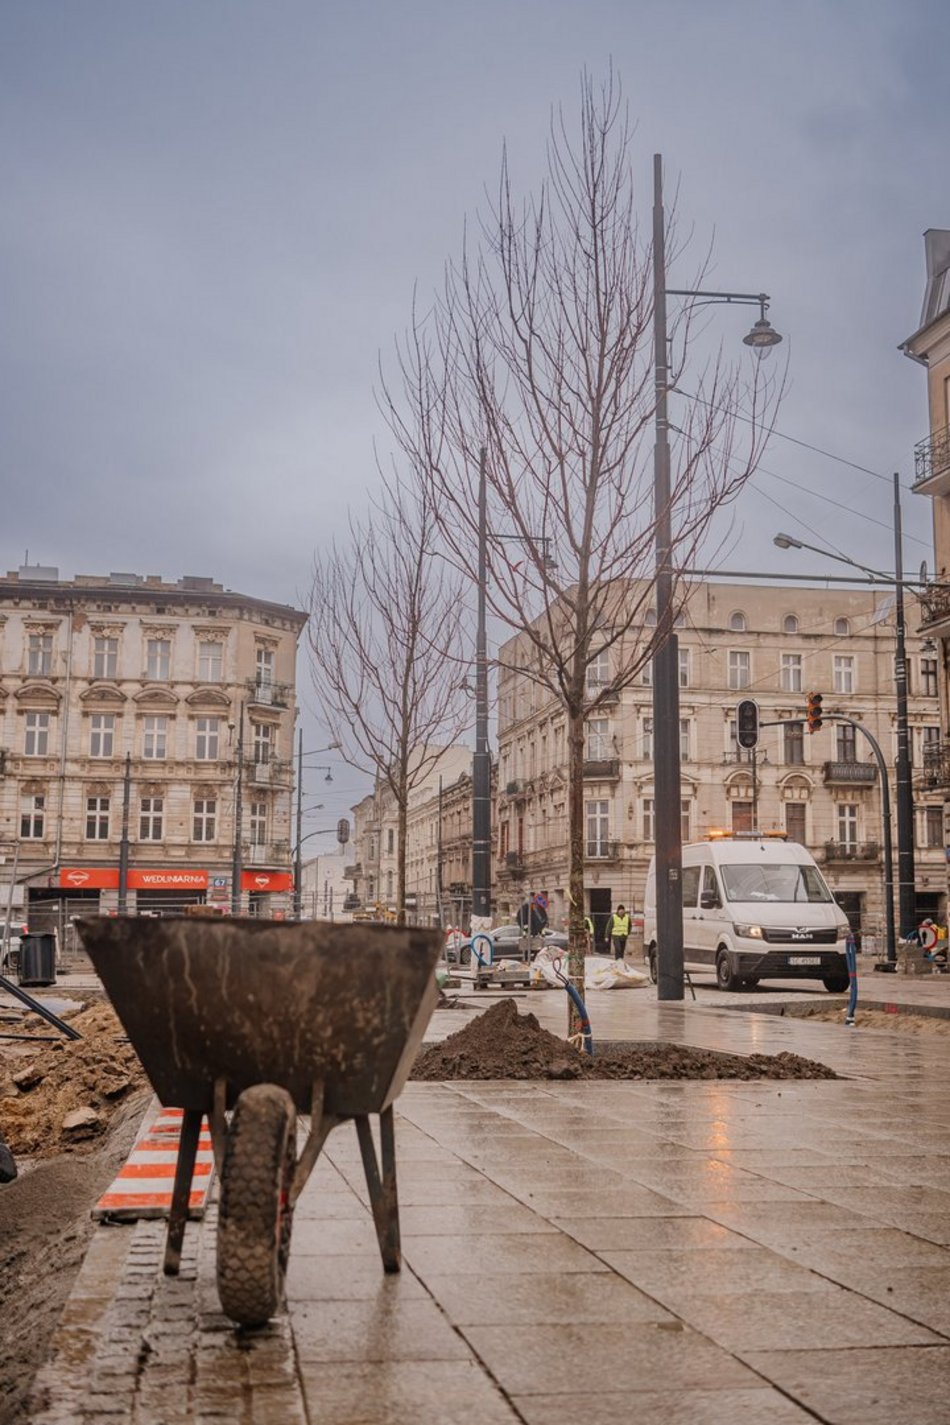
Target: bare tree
[(385, 630), (539, 349)]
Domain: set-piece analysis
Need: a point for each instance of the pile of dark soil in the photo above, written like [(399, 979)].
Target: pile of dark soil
[(61, 1096), (503, 1044)]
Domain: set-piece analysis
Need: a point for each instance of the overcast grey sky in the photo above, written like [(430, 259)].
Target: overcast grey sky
[(214, 213)]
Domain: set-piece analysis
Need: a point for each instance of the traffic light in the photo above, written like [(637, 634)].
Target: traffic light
[(747, 723), (814, 712)]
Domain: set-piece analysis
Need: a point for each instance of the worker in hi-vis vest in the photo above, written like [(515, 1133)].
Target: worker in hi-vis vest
[(618, 930)]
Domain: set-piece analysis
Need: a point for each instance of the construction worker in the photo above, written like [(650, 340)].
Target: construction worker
[(589, 927), (618, 930)]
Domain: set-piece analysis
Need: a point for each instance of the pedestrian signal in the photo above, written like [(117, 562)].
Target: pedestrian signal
[(814, 712), (747, 723)]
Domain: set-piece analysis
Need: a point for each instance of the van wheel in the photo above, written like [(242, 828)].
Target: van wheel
[(726, 977), (651, 961), (836, 984)]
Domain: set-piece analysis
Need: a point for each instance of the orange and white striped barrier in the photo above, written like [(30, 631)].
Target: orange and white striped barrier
[(146, 1181)]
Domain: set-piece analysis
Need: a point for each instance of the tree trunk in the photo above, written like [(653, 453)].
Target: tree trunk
[(576, 929)]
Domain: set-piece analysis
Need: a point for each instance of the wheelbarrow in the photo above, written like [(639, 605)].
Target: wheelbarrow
[(249, 1022)]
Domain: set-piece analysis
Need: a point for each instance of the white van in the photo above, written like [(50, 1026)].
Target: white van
[(755, 908)]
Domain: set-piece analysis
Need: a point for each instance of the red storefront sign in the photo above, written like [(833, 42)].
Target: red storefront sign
[(267, 881), (106, 878), (175, 879), (89, 878)]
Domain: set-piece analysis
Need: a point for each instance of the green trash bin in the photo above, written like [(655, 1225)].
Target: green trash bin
[(37, 959)]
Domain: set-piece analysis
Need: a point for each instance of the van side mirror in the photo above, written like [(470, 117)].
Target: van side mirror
[(709, 900)]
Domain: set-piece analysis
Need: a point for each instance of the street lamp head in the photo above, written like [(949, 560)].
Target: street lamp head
[(785, 541), (762, 337)]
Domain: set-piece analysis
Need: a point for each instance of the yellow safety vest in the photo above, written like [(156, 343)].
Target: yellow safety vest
[(620, 924)]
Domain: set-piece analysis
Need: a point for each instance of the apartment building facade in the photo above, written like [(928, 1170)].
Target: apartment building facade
[(148, 723), (773, 644), (930, 346)]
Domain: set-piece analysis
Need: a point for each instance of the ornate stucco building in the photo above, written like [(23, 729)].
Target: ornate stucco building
[(773, 644), (138, 716), (930, 345)]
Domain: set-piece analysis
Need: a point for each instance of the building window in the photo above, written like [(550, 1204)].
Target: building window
[(686, 820), (742, 816), (846, 743), (207, 731), (265, 667), (597, 826), (843, 673), (848, 825), (794, 739), (646, 674), (32, 816), (646, 807), (684, 739), (97, 818), (737, 622), (795, 822), (390, 840), (105, 658), (646, 738), (150, 818), (155, 739), (102, 735), (598, 671), (740, 671), (928, 677), (263, 742), (36, 739), (684, 667), (650, 618), (791, 672), (598, 739), (929, 746), (842, 628), (257, 823), (389, 885), (210, 661), (158, 659), (933, 827), (204, 822), (790, 624), (40, 654)]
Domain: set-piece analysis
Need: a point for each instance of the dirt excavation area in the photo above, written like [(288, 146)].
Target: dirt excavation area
[(69, 1110), (902, 1022), (503, 1044)]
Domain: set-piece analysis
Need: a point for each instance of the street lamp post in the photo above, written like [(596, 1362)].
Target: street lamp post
[(300, 837), (666, 722), (481, 762)]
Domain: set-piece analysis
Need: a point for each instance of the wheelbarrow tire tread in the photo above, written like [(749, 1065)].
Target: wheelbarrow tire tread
[(254, 1217)]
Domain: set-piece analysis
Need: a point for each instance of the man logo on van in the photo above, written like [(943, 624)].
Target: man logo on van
[(801, 933)]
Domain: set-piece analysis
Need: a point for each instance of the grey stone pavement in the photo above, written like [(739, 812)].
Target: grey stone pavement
[(655, 1252)]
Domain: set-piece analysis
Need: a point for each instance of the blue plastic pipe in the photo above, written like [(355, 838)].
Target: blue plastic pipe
[(851, 957)]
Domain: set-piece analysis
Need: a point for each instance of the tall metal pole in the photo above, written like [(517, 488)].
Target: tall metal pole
[(666, 721), (481, 763), (298, 867), (124, 841), (906, 896), (237, 862), (438, 863)]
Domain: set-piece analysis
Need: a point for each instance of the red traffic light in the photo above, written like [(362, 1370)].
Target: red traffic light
[(814, 711)]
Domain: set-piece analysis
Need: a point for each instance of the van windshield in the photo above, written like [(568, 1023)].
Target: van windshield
[(789, 882)]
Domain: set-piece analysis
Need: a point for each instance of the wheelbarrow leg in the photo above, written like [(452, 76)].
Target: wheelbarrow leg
[(187, 1152), (382, 1192)]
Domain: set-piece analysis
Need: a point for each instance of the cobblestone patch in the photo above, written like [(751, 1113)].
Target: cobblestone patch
[(134, 1344)]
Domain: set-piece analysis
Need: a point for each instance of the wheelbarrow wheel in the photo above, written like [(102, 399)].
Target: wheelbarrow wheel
[(254, 1217)]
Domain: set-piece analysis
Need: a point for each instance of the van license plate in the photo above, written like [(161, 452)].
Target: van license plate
[(804, 959)]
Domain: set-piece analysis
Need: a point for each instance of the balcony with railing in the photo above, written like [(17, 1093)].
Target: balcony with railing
[(934, 775), (862, 774), (268, 695), (867, 851), (935, 604), (602, 850), (932, 464), (601, 769), (266, 853), (270, 773)]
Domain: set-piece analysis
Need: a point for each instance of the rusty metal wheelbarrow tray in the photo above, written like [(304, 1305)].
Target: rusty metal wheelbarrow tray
[(331, 1014)]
